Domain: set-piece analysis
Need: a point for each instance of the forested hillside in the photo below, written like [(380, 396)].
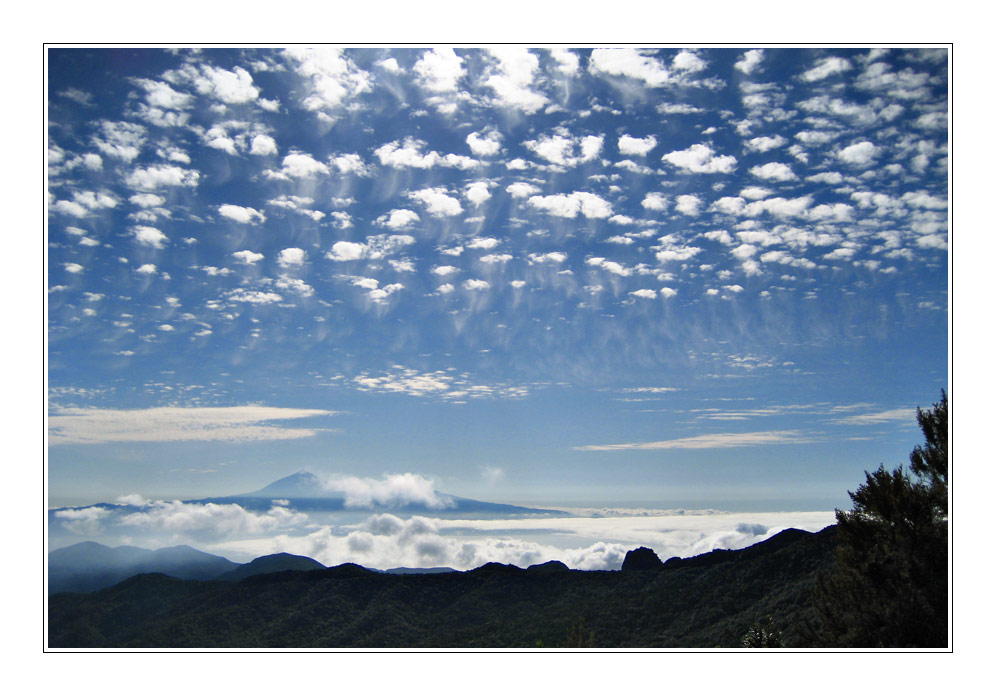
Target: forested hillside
[(708, 601)]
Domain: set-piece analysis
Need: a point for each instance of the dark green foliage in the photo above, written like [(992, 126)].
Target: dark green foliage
[(703, 602), (762, 634), (579, 636), (889, 584), (930, 461)]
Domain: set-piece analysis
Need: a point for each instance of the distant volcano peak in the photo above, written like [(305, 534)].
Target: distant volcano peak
[(303, 484)]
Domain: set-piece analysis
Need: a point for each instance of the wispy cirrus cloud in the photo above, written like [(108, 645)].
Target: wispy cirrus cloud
[(174, 424), (714, 441), (902, 415)]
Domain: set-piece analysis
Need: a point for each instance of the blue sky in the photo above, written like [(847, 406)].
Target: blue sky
[(668, 277)]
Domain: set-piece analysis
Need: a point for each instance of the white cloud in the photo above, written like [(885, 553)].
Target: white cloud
[(215, 520), (628, 62), (295, 285), (629, 145), (644, 293), (292, 256), (744, 251), (298, 165), (716, 441), (496, 258), (859, 154), (444, 384), (409, 154), (688, 61), (905, 416), (375, 247), (392, 490), (673, 252), (565, 150), (440, 70), (149, 236), (174, 424), (567, 61), (486, 144), (332, 78), (258, 297), (610, 266), (398, 219), (655, 201), (347, 251), (721, 236), (83, 521), (477, 192), (263, 145), (247, 257), (779, 207), (700, 159), (351, 163), (437, 201), (161, 176), (476, 284), (73, 267), (241, 214), (571, 205), (773, 171), (229, 86), (121, 140), (550, 257), (765, 143), (826, 68), (511, 81), (688, 204), (147, 200), (521, 189), (749, 61)]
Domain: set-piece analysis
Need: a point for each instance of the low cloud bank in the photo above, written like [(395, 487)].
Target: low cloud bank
[(387, 540)]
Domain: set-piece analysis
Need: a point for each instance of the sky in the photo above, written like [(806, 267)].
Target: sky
[(668, 278)]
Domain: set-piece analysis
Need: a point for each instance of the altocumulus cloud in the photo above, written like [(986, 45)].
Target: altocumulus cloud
[(170, 424)]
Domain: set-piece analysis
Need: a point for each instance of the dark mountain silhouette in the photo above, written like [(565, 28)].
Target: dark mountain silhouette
[(641, 559), (706, 601), (91, 566), (274, 563), (419, 571)]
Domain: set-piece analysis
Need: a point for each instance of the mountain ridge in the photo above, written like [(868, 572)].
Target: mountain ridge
[(693, 605)]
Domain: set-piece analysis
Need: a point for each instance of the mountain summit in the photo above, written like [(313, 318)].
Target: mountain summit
[(306, 491), (303, 484)]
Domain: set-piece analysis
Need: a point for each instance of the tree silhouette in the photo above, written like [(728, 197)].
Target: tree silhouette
[(889, 585), (762, 635)]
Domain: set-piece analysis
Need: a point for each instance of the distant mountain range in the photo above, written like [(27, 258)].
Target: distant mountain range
[(706, 601), (90, 566)]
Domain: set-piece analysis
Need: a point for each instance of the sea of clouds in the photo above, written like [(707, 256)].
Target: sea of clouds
[(596, 541)]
